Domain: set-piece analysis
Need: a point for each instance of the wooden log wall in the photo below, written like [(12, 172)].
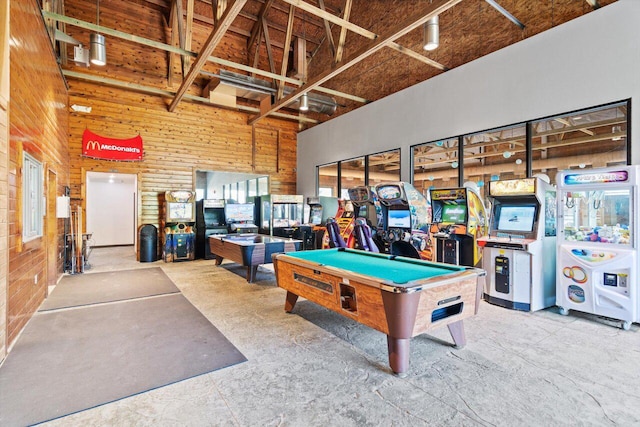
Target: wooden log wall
[(194, 137), (37, 125), (4, 160), (176, 145)]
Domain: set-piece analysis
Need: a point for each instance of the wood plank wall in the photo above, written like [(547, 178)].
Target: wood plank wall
[(4, 160), (37, 125), (194, 137)]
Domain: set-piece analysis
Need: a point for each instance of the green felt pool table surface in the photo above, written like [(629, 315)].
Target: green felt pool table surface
[(398, 270)]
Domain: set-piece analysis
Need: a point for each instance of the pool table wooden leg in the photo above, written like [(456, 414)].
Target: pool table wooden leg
[(456, 329), (219, 260), (290, 302), (398, 354)]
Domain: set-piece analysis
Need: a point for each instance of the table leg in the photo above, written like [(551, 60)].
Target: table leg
[(456, 329), (218, 260), (290, 302), (251, 273), (398, 354)]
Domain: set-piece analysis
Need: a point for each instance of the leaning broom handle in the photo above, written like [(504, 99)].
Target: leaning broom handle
[(79, 261), (73, 246)]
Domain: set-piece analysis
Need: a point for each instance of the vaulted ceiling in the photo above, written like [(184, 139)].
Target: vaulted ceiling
[(263, 56)]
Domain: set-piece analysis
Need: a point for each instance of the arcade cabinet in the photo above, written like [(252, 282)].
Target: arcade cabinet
[(597, 251), (366, 208), (210, 219), (320, 209), (459, 218), (179, 236), (278, 215), (240, 218), (345, 219), (404, 220), (518, 253)]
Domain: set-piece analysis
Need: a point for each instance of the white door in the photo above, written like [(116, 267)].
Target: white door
[(111, 208)]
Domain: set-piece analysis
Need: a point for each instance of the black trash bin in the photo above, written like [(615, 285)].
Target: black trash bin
[(148, 243)]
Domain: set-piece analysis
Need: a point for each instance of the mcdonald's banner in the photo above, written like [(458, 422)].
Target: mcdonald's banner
[(101, 147)]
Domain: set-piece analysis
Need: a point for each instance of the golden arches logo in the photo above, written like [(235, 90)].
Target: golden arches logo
[(93, 145)]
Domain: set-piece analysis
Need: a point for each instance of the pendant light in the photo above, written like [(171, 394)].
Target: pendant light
[(304, 102), (431, 34), (98, 47)]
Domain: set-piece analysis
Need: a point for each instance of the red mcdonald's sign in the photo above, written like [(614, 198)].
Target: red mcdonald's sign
[(100, 147)]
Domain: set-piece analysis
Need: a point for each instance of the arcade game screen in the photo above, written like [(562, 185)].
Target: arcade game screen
[(239, 212), (399, 218), (389, 192), (454, 214), (516, 217), (179, 211)]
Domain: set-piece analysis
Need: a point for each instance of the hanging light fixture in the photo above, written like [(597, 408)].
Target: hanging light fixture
[(431, 34), (304, 102), (98, 47)]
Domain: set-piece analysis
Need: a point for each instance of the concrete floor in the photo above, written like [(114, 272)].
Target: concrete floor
[(315, 368)]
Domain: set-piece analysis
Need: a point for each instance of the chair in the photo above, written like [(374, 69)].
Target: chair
[(363, 236), (333, 231)]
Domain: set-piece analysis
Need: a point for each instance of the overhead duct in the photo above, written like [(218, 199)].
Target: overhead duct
[(226, 86), (317, 103)]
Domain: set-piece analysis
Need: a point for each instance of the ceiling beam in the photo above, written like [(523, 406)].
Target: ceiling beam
[(433, 9), (506, 13), (343, 32), (212, 41), (257, 25), (331, 18), (267, 43), (169, 94), (285, 54), (415, 55), (189, 32), (169, 48), (327, 30)]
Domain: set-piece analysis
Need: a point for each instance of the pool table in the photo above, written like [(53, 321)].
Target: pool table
[(250, 250), (401, 297)]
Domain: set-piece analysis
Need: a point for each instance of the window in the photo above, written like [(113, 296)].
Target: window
[(495, 155), (32, 193), (384, 167), (435, 165), (263, 185), (593, 138), (351, 175), (328, 180)]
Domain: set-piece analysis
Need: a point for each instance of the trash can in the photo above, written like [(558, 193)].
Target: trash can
[(148, 243)]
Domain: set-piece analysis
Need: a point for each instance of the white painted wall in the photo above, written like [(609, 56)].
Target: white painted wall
[(111, 208), (591, 60)]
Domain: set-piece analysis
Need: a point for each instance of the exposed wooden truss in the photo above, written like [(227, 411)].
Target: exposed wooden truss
[(318, 30), (377, 43)]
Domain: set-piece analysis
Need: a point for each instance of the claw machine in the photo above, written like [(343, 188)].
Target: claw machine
[(597, 251)]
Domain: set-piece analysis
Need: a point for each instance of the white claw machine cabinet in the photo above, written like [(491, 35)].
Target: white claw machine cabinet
[(597, 253)]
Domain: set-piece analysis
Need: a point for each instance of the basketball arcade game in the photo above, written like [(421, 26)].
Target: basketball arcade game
[(518, 253), (180, 216), (404, 220), (459, 218), (598, 243)]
